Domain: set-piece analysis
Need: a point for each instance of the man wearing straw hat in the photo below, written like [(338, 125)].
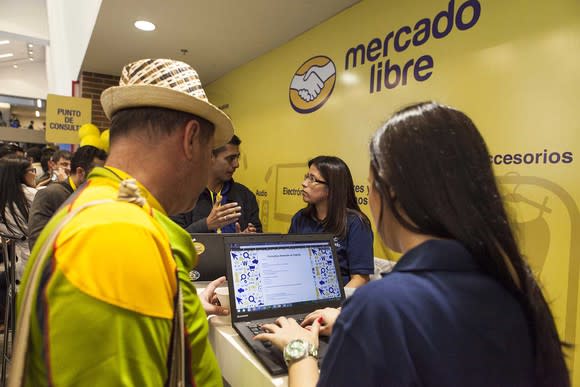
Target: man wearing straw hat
[(106, 298)]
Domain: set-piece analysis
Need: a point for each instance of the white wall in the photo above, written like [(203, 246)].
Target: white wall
[(24, 20), (70, 26), (65, 26), (28, 80), (24, 17)]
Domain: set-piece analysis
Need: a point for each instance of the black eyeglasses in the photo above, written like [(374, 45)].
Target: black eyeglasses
[(311, 179)]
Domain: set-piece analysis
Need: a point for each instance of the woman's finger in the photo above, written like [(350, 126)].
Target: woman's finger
[(282, 321), (270, 327), (316, 326), (310, 318), (263, 336)]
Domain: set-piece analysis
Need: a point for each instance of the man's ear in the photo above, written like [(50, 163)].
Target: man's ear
[(191, 137), (80, 173), (392, 194)]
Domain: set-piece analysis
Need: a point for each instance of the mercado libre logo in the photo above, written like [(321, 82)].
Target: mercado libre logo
[(390, 67), (312, 84)]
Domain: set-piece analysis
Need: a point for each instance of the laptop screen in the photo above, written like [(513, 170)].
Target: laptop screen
[(284, 273)]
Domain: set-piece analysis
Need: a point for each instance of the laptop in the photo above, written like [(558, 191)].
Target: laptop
[(279, 275), (211, 262)]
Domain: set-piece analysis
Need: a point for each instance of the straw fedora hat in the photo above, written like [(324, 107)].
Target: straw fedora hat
[(169, 84)]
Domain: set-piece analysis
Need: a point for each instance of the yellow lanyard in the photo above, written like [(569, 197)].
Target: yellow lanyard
[(72, 183), (216, 198)]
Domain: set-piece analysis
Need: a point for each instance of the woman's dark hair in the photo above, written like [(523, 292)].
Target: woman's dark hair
[(341, 197), (12, 198), (431, 161)]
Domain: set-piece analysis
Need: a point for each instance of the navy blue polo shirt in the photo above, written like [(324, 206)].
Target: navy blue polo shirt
[(435, 320), (355, 250)]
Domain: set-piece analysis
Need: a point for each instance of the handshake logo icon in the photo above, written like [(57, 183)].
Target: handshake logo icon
[(312, 84)]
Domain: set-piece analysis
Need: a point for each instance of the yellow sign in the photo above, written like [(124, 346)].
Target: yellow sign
[(64, 117), (512, 66)]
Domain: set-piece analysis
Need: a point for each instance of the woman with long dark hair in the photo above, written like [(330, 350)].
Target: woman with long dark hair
[(332, 208), (461, 307), (17, 179)]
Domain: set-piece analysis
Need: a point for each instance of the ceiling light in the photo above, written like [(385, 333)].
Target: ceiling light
[(144, 25), (31, 59), (15, 66), (4, 42), (8, 55), (30, 45), (39, 103), (30, 52), (37, 113)]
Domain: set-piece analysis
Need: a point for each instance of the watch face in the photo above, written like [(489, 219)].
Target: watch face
[(299, 349), (296, 349)]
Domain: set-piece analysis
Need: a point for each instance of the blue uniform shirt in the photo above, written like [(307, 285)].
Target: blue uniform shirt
[(436, 320), (355, 251)]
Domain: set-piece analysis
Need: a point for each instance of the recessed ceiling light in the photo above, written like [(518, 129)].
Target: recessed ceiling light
[(38, 103), (37, 113), (15, 66), (31, 59), (8, 55), (4, 42), (144, 25), (30, 45)]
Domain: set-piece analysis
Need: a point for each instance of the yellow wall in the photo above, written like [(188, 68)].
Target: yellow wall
[(515, 73)]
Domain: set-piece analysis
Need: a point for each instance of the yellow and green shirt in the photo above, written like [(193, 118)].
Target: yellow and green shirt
[(103, 311)]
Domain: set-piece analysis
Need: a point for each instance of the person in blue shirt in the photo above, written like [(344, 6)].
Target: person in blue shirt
[(332, 208), (461, 307)]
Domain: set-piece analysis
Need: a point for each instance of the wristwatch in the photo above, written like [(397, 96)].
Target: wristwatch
[(299, 349)]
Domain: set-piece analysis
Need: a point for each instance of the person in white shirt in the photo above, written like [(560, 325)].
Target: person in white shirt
[(17, 179)]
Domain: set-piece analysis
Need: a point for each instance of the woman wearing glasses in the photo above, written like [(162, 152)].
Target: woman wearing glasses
[(17, 179), (332, 208), (461, 307)]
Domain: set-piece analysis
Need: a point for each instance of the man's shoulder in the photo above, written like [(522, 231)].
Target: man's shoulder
[(55, 189), (98, 204), (241, 188), (240, 192), (102, 207), (105, 235)]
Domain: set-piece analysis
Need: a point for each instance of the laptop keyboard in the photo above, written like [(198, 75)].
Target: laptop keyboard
[(257, 329)]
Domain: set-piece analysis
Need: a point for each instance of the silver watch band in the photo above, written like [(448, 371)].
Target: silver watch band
[(299, 349)]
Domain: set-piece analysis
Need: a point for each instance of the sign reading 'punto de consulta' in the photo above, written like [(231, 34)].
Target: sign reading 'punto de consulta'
[(64, 117)]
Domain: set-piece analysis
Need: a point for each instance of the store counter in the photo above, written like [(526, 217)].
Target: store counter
[(238, 364)]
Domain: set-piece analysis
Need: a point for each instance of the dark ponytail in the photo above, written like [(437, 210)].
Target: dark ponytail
[(436, 162)]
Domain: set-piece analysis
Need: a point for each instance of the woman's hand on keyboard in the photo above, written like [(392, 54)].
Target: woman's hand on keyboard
[(328, 317), (286, 330)]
